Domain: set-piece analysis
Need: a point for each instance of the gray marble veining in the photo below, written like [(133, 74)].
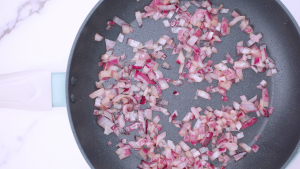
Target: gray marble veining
[(24, 11)]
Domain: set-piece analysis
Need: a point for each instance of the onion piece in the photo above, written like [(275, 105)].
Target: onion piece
[(144, 77), (245, 147), (253, 99), (138, 17), (189, 116), (121, 37), (229, 59), (270, 110), (119, 97), (109, 27), (162, 102), (170, 15), (109, 44), (235, 14), (180, 59), (264, 112), (236, 20), (236, 105), (224, 10), (166, 7), (256, 38), (134, 43), (240, 135), (111, 23), (242, 64), (224, 27), (156, 119), (126, 29), (255, 148), (248, 106), (161, 137), (249, 122), (230, 146), (237, 157), (119, 21), (166, 23), (250, 42), (192, 40), (177, 83), (205, 141), (196, 3), (203, 94), (98, 37), (123, 56), (214, 50), (265, 97), (184, 146), (165, 65), (103, 121), (163, 84), (177, 29), (124, 154), (97, 93)]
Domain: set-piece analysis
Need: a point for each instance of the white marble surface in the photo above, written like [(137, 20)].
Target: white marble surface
[(39, 34)]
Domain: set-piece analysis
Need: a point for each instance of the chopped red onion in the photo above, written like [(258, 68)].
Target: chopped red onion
[(166, 7), (98, 37), (138, 17), (165, 65), (134, 43), (240, 135), (161, 137), (109, 44), (119, 21), (109, 27), (123, 102), (236, 20), (245, 147), (170, 15), (177, 29), (237, 157), (256, 38), (162, 102), (255, 148), (121, 37), (203, 94), (166, 23), (126, 29), (184, 146), (270, 110), (224, 10), (249, 122)]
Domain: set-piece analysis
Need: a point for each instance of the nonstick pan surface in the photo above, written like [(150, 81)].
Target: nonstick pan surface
[(279, 133)]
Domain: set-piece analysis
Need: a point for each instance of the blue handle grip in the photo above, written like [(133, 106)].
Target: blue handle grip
[(58, 82)]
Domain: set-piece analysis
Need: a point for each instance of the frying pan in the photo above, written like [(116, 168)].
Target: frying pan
[(279, 133)]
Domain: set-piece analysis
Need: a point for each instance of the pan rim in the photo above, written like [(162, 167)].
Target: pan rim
[(292, 157), (68, 82), (295, 153)]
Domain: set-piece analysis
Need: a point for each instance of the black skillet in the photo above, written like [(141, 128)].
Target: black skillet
[(279, 133)]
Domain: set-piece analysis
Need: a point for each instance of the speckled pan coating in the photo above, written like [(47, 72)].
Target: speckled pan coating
[(279, 134)]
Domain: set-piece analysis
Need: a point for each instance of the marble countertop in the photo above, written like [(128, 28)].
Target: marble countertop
[(34, 34)]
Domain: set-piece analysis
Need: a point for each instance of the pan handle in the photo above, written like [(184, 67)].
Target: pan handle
[(38, 90)]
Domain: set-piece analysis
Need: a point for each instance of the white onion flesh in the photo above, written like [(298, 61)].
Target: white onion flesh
[(98, 37)]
